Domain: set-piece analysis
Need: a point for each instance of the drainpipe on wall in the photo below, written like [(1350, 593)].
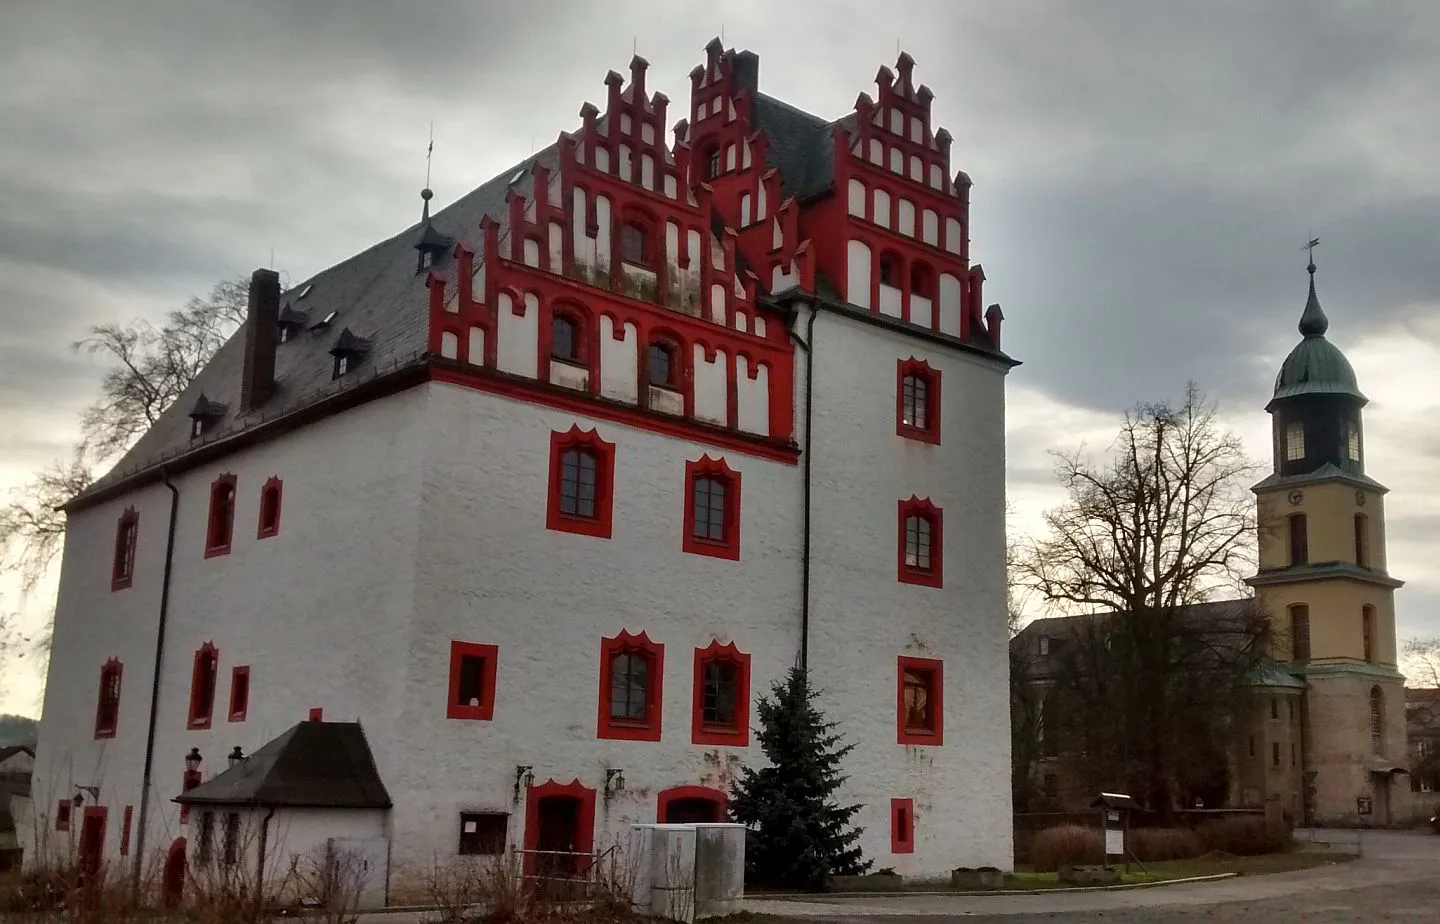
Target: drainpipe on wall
[(260, 864), (808, 345), (155, 684)]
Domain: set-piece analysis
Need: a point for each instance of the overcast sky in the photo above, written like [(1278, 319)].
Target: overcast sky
[(1145, 175)]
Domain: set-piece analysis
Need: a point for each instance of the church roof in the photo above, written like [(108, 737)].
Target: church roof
[(1269, 673), (313, 764), (1316, 366)]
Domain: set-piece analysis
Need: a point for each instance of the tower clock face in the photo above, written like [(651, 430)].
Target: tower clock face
[(1296, 496), (1360, 498)]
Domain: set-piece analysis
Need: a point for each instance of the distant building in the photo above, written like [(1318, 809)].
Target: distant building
[(536, 498), (1327, 725), (1422, 730)]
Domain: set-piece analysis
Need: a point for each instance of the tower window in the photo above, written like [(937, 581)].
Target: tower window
[(634, 245), (1362, 541), (661, 365), (1352, 441), (890, 270), (1300, 632), (565, 339), (1377, 720), (1294, 441), (1367, 631), (1299, 540)]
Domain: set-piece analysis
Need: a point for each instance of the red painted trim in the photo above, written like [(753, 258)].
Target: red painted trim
[(729, 546), (600, 524), (127, 532), (499, 383), (202, 708), (738, 734), (676, 793), (585, 827), (220, 523), (485, 709), (647, 729), (902, 826), (270, 496), (125, 824), (239, 693), (316, 714), (62, 815), (934, 576), (936, 694), (106, 724), (922, 371), (188, 781), (91, 855)]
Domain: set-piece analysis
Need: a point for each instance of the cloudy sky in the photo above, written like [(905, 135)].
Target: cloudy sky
[(1145, 175)]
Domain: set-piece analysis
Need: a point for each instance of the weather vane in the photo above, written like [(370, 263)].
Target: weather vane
[(1310, 251), (428, 152)]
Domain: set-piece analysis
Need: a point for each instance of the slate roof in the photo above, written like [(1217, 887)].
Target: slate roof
[(797, 144), (376, 294), (313, 764), (10, 751)]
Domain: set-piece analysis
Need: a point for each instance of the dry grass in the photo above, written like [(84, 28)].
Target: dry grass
[(1066, 845), (1160, 844), (1247, 836)]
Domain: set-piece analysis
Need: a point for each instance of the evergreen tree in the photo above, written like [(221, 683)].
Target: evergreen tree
[(799, 837)]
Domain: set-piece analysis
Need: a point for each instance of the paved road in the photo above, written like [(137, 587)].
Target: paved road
[(1398, 879)]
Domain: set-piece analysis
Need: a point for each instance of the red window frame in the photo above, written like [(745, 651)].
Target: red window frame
[(188, 781), (584, 840), (934, 576), (578, 338), (220, 524), (672, 364), (647, 729), (902, 825), (598, 526), (922, 372), (271, 494), (934, 672), (62, 815), (736, 734), (239, 693), (127, 532), (202, 707), (717, 797), (107, 712), (125, 820), (485, 709), (727, 547)]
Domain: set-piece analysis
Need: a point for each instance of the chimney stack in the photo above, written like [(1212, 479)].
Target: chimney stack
[(745, 71), (262, 321)]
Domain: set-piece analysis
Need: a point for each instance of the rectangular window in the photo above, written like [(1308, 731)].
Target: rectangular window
[(1362, 541), (920, 544), (917, 401), (722, 696), (482, 834), (1294, 441), (712, 509), (220, 527), (1274, 708), (202, 686), (231, 848), (125, 830), (920, 701), (902, 826), (1352, 441), (269, 508), (1367, 631), (631, 678), (127, 531), (205, 849), (1300, 632), (107, 711), (1299, 540), (1292, 710), (1252, 745), (1292, 753), (239, 693), (582, 467), (472, 681), (1274, 753)]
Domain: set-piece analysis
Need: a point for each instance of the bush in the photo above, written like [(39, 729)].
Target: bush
[(1066, 845), (1243, 836), (1155, 845)]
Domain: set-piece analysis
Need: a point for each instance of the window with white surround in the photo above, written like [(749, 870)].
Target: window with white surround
[(1294, 441)]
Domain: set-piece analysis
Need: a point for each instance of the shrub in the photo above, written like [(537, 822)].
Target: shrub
[(1159, 844), (1243, 836), (1066, 845)]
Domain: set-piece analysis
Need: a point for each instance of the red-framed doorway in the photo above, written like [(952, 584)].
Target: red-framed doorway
[(691, 805)]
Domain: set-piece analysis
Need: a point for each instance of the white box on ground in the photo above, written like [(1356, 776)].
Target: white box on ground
[(689, 871), (719, 869)]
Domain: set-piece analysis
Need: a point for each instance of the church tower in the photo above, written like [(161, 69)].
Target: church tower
[(1323, 585)]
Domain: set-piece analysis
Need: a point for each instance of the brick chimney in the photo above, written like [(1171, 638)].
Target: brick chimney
[(262, 321)]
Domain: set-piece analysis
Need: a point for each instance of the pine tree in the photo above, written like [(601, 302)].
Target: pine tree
[(799, 836)]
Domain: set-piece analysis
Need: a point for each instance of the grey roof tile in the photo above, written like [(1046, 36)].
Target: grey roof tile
[(315, 764)]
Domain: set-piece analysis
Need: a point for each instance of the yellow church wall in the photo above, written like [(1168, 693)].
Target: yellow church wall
[(1336, 622), (1330, 511)]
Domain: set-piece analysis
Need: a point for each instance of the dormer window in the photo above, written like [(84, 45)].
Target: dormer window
[(204, 416), (1294, 441), (634, 245), (348, 351), (291, 322)]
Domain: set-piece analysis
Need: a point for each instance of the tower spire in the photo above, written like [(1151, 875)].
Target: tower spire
[(1313, 322)]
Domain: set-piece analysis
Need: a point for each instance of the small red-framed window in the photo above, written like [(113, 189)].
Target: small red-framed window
[(270, 495), (107, 709), (472, 681), (917, 400), (721, 711), (62, 815), (127, 532), (582, 474), (920, 701), (567, 337), (902, 826), (239, 693), (920, 543), (712, 509), (125, 821), (220, 527), (635, 243), (632, 680), (202, 686)]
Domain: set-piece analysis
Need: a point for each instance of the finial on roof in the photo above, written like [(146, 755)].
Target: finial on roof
[(1313, 322)]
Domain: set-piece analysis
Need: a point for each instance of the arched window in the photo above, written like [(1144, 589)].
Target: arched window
[(566, 340), (1299, 540), (1377, 720), (631, 677), (1300, 632), (890, 270), (1367, 632), (1362, 541), (660, 362), (635, 244), (922, 281), (920, 543)]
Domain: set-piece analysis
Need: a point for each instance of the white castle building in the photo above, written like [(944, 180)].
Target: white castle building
[(490, 536)]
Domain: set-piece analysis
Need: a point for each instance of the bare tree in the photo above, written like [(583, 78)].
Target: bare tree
[(1421, 660), (32, 525), (1162, 523)]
